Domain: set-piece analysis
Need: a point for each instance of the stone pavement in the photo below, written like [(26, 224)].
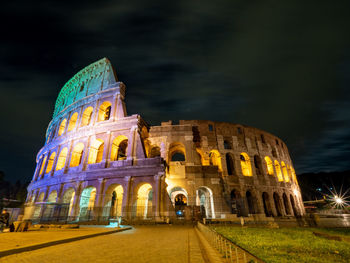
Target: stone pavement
[(159, 243)]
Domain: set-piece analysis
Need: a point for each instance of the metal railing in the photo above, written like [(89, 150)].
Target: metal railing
[(231, 252)]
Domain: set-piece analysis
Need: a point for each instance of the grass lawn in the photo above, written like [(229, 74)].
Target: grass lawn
[(289, 244)]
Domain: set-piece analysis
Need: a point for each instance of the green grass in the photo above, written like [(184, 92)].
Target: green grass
[(289, 244)]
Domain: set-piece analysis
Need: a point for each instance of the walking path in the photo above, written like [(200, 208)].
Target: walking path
[(159, 243)]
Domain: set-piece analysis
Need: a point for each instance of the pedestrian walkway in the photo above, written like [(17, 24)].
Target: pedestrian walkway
[(159, 243)]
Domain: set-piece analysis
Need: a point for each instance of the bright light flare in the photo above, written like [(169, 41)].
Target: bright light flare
[(338, 200)]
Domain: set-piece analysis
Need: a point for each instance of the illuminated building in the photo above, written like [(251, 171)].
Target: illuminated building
[(98, 163)]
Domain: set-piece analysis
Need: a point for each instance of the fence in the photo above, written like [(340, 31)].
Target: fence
[(230, 252)]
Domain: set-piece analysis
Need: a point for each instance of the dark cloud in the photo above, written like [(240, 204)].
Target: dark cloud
[(279, 66)]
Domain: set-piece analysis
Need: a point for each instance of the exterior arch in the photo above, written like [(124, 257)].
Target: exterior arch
[(278, 171), (96, 151), (230, 165), (50, 162), (177, 152), (104, 112), (87, 203), (294, 207), (86, 117), (68, 201), (72, 121), (62, 159), (62, 127), (285, 172), (277, 201), (286, 204), (42, 165), (77, 155), (205, 201), (251, 202), (119, 148), (154, 152), (267, 204), (144, 200), (245, 164), (215, 159), (113, 201), (269, 165)]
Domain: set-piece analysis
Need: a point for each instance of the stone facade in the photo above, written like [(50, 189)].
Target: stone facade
[(98, 163)]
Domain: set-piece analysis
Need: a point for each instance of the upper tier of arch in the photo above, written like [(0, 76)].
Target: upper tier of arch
[(91, 79)]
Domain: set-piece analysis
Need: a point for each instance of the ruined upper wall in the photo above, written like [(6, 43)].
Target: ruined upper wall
[(91, 79)]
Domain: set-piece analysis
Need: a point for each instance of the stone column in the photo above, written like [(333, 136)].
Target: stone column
[(156, 195), (69, 156), (99, 199), (127, 197), (45, 165), (132, 143), (76, 207)]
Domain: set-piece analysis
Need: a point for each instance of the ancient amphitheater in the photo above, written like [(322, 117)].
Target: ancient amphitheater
[(99, 164)]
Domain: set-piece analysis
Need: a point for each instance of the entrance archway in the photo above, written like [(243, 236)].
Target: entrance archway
[(277, 201), (87, 202), (286, 204), (267, 204), (68, 200), (113, 201), (237, 204), (144, 201), (179, 199), (205, 201), (251, 203)]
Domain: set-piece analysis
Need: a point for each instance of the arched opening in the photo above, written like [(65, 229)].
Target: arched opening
[(87, 203), (245, 164), (215, 159), (86, 118), (177, 152), (295, 210), (178, 157), (289, 172), (155, 152), (104, 112), (68, 201), (179, 197), (38, 205), (286, 204), (251, 203), (267, 204), (62, 159), (237, 204), (277, 201), (269, 165), (96, 151), (205, 201), (62, 127), (285, 172), (49, 207), (230, 164), (72, 121), (77, 155), (50, 162), (278, 171), (258, 165), (144, 201), (113, 201), (42, 166), (119, 148)]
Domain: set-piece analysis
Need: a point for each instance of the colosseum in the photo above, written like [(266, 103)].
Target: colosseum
[(98, 164)]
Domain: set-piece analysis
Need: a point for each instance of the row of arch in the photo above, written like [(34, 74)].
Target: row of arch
[(118, 152), (277, 206), (104, 113), (283, 171)]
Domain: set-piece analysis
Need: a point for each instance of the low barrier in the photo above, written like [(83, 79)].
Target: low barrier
[(231, 252)]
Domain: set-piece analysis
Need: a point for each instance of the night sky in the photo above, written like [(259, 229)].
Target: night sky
[(281, 66)]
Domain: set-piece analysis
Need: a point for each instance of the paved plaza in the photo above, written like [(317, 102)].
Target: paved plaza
[(160, 243)]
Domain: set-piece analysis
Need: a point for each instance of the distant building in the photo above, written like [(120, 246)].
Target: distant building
[(98, 163)]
